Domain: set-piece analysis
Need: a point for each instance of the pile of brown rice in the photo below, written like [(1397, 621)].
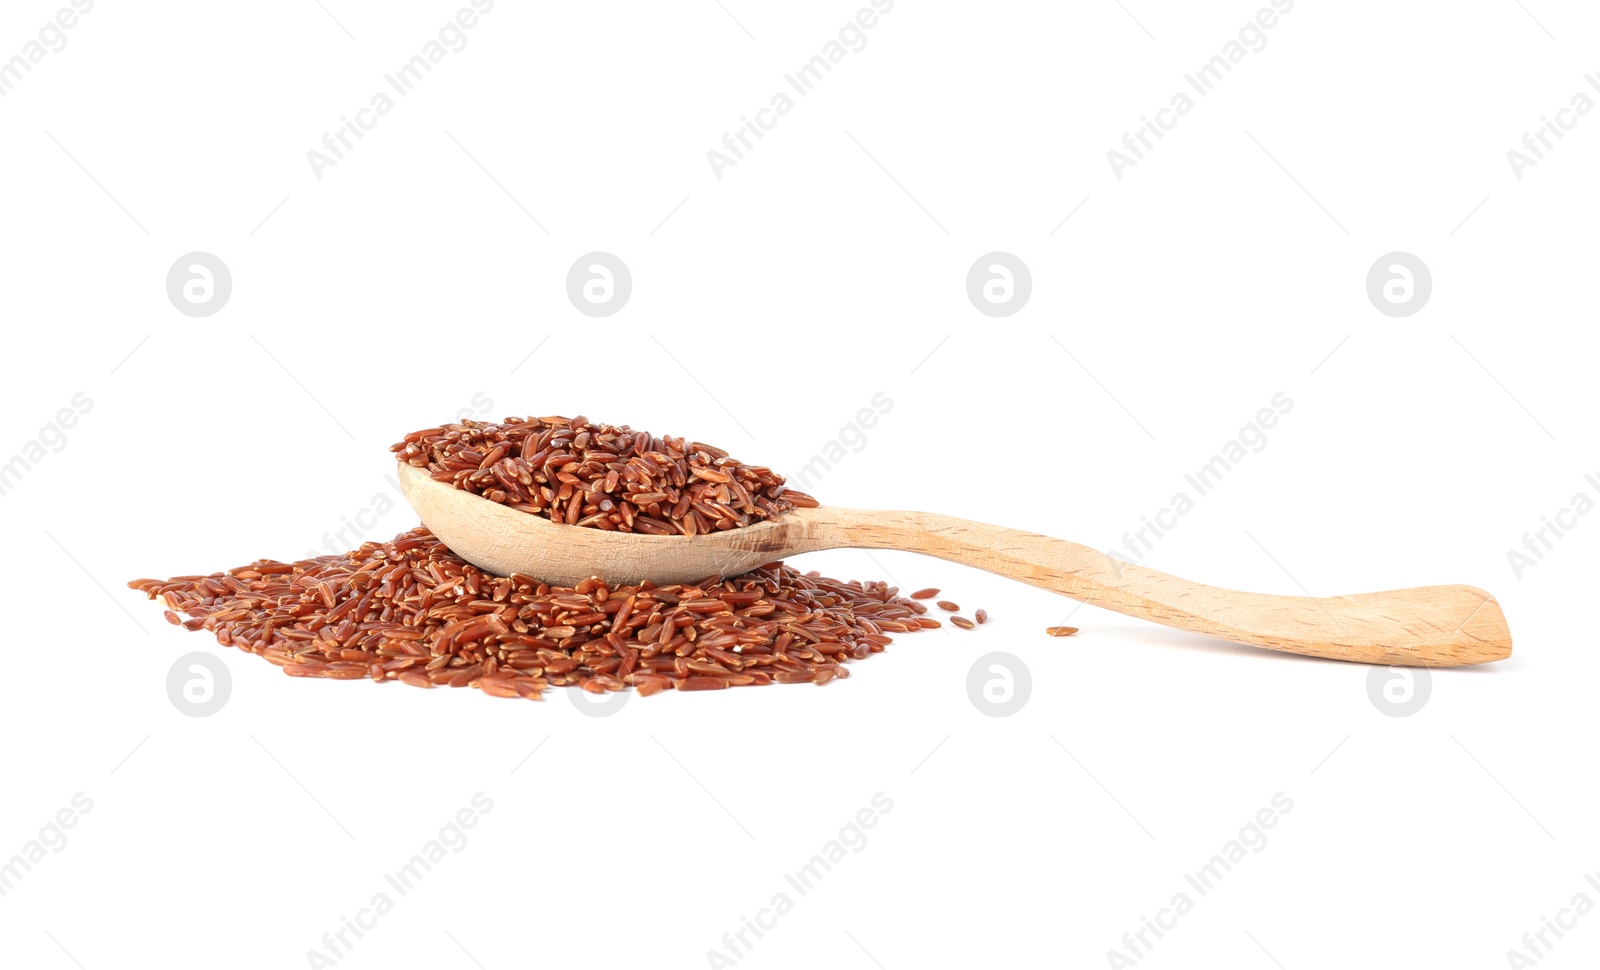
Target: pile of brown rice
[(411, 610), (600, 475)]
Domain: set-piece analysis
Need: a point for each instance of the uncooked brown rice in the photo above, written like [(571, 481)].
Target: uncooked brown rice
[(962, 622), (948, 606), (411, 610), (982, 616), (1061, 631), (926, 594), (601, 476)]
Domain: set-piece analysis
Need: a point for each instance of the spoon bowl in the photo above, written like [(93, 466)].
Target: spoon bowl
[(503, 541)]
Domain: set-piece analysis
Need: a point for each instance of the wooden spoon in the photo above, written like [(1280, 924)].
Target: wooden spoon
[(1426, 626)]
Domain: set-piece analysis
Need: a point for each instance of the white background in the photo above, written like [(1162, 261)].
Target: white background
[(767, 308)]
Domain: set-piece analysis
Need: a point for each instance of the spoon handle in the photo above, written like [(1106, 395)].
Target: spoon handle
[(1426, 626)]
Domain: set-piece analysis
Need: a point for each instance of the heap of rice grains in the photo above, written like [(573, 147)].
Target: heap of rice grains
[(411, 610), (601, 476)]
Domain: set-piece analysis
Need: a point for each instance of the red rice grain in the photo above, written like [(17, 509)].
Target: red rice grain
[(947, 605), (962, 622), (1061, 631)]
